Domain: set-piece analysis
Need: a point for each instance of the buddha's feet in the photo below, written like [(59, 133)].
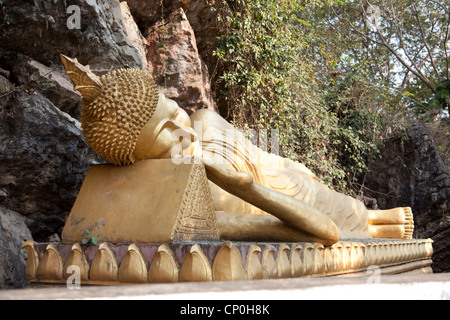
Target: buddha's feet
[(395, 223)]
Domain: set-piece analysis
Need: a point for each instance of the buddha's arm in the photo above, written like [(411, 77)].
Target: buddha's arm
[(293, 212)]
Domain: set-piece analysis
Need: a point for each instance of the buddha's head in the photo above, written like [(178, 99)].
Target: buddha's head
[(124, 117)]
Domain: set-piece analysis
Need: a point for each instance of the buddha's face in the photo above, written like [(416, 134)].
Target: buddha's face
[(169, 130)]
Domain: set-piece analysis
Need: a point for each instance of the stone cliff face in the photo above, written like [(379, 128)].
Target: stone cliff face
[(412, 173), (43, 161), (43, 30), (43, 155), (175, 63)]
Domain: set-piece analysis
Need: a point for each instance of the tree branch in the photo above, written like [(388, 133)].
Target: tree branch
[(402, 44), (430, 54), (407, 78), (440, 5), (383, 42), (417, 71), (445, 46)]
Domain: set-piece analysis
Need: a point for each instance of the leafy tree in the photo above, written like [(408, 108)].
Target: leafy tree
[(408, 43), (275, 59)]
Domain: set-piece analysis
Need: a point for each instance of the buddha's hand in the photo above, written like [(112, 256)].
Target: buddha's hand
[(223, 175)]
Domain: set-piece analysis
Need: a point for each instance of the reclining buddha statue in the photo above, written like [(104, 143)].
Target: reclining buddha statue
[(257, 196)]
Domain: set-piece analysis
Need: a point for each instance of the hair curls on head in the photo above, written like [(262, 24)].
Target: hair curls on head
[(116, 107)]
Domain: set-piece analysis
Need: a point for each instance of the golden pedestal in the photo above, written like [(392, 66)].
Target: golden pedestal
[(155, 223), (152, 201), (112, 264)]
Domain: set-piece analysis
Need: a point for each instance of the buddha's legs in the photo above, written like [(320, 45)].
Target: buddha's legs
[(352, 217), (393, 223)]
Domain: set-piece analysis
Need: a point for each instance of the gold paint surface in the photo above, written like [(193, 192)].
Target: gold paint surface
[(104, 266), (133, 268), (196, 266), (254, 267), (51, 265), (32, 260), (227, 261), (121, 204), (77, 257), (125, 119), (164, 267), (228, 265)]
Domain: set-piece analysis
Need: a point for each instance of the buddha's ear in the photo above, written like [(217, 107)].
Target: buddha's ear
[(85, 81)]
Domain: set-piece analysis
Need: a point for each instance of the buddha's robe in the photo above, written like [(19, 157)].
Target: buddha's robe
[(226, 145)]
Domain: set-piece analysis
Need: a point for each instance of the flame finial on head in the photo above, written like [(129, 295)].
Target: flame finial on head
[(86, 82)]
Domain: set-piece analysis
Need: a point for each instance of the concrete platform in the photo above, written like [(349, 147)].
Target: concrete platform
[(373, 287)]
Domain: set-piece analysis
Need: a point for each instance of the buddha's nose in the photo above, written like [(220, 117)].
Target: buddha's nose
[(187, 141)]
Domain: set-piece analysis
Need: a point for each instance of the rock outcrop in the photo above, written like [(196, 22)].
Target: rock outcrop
[(134, 34), (175, 63), (89, 29), (13, 233), (201, 14), (52, 83), (43, 159), (412, 173)]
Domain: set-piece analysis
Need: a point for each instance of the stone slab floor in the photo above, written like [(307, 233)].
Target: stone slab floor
[(372, 287)]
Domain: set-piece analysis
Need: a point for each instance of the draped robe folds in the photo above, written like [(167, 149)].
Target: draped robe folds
[(226, 145)]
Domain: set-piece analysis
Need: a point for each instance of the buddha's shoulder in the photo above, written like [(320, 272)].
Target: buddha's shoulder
[(205, 114), (210, 120)]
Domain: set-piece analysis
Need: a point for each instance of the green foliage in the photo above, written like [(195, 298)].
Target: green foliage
[(6, 19), (88, 238), (259, 52), (274, 60), (358, 107), (441, 99), (407, 49), (332, 76)]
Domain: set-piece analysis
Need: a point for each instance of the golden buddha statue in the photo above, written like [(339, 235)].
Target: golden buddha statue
[(257, 196)]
